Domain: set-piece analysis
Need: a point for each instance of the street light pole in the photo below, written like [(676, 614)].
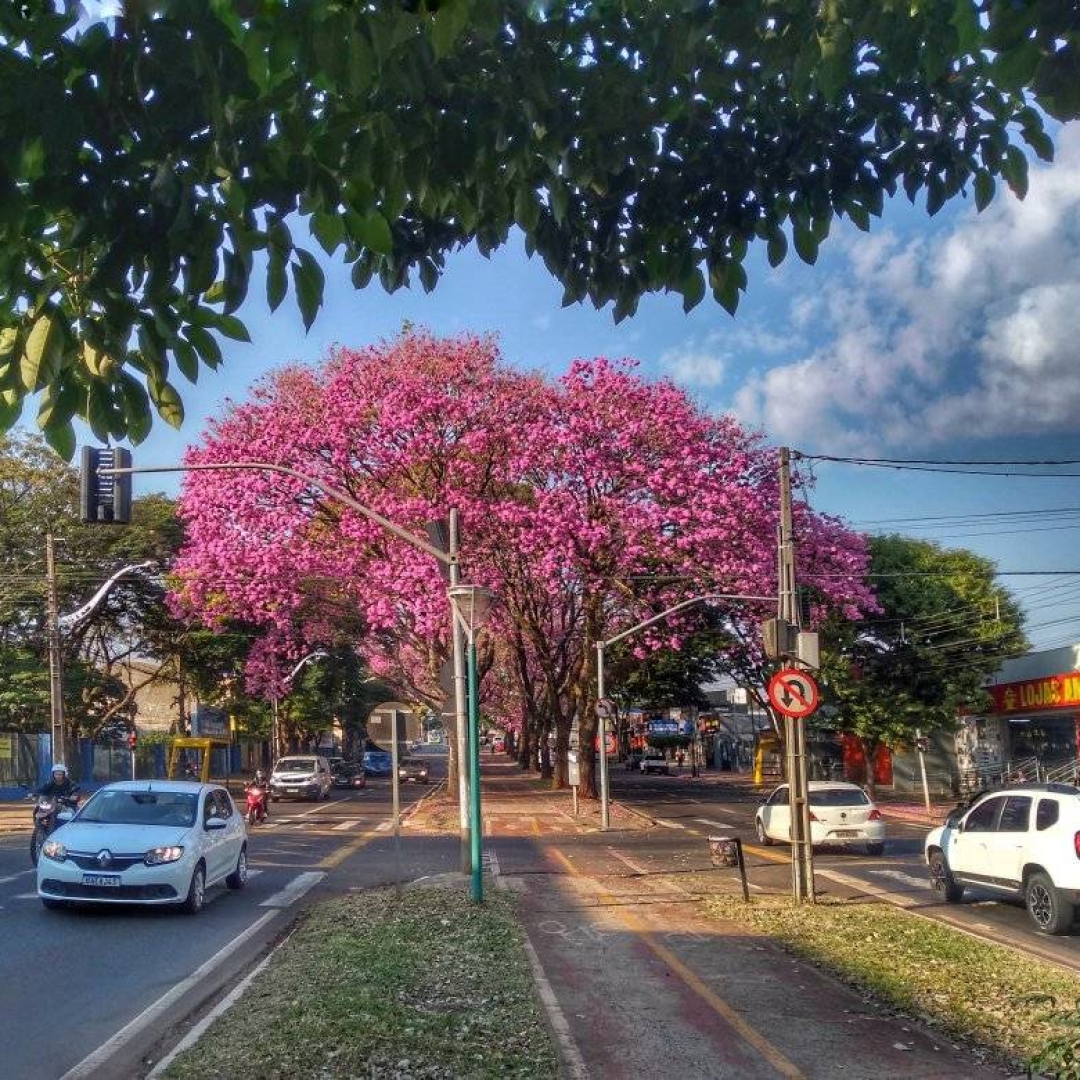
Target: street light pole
[(471, 604), (601, 713), (56, 679)]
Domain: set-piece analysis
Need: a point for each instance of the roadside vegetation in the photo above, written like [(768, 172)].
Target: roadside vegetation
[(1012, 1004), (425, 984)]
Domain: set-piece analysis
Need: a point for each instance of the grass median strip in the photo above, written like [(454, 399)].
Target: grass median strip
[(958, 984), (424, 985)]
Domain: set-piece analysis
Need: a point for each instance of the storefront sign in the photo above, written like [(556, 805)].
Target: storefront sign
[(1038, 695)]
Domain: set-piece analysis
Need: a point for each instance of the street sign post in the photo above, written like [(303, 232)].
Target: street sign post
[(793, 693)]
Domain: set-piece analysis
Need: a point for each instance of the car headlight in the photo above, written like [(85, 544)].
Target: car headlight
[(157, 856), (53, 849)]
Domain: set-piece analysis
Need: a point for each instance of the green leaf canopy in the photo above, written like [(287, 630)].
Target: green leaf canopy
[(155, 161)]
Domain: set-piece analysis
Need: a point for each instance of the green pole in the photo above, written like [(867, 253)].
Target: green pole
[(476, 837)]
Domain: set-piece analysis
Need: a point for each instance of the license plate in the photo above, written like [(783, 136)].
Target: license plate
[(845, 832), (111, 880), (291, 790)]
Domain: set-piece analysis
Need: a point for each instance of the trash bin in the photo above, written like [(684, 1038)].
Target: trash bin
[(724, 851)]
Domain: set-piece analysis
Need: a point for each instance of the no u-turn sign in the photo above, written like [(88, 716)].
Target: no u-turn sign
[(793, 693)]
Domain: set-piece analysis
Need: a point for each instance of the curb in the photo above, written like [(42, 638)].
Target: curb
[(631, 810)]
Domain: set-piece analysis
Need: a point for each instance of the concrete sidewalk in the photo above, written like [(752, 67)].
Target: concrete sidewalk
[(636, 979)]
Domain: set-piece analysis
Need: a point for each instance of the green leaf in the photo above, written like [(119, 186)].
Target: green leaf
[(329, 230), (43, 357), (187, 360), (1015, 68), (1040, 142), (99, 410), (11, 406), (447, 25), (777, 248), (168, 404), (806, 244), (233, 328), (136, 406), (308, 282), (277, 282), (61, 437), (1015, 170), (374, 233), (984, 189), (693, 289), (205, 346), (965, 20)]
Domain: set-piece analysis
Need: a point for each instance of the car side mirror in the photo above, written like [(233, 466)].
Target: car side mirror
[(215, 823), (65, 816)]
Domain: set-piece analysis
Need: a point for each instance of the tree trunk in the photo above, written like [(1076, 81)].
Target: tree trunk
[(587, 727), (870, 748), (561, 777), (526, 750), (545, 751)]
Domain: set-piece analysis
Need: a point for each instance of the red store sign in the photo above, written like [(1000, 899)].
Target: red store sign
[(1037, 695)]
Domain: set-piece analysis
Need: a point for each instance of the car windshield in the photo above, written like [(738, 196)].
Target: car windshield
[(413, 763), (176, 808), (376, 755), (838, 797), (296, 764), (346, 768)]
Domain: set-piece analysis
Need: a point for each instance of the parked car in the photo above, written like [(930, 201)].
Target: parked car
[(840, 813), (378, 762), (146, 842), (1019, 843), (498, 746), (349, 775), (653, 761), (413, 769), (305, 776)]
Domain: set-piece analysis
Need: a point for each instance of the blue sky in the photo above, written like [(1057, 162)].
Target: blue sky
[(952, 337)]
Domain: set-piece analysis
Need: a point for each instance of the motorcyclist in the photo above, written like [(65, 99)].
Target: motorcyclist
[(59, 784), (262, 781)]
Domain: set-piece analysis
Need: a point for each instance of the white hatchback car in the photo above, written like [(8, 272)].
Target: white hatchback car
[(146, 842), (1022, 843), (840, 813)]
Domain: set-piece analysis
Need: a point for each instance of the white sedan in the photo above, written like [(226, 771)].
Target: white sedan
[(146, 842), (839, 814)]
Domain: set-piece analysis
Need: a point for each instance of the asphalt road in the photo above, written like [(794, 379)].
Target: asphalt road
[(100, 992), (689, 811)]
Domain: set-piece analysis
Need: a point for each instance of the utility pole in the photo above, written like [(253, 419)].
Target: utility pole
[(56, 681), (802, 850)]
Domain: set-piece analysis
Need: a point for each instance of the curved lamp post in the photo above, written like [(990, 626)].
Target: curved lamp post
[(471, 605), (317, 654)]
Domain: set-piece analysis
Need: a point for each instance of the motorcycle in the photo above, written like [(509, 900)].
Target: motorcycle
[(50, 812), (256, 803)]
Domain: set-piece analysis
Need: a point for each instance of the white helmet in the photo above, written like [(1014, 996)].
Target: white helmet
[(59, 766)]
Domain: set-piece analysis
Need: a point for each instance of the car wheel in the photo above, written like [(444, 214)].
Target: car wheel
[(238, 878), (1048, 911), (53, 904), (196, 894), (762, 835), (875, 847), (942, 881)]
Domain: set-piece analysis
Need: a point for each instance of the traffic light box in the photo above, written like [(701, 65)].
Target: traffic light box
[(132, 739), (105, 499)]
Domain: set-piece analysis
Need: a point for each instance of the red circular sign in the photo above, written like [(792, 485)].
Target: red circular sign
[(793, 692)]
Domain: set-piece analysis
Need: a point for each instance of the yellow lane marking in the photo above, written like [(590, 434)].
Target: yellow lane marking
[(769, 1052), (339, 856)]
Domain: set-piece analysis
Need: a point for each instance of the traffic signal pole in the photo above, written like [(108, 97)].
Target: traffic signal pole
[(56, 677), (802, 851)]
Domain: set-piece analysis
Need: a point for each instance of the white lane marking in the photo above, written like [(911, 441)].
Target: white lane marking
[(350, 824), (151, 1015), (226, 1003), (26, 896), (383, 826), (715, 824), (15, 877), (899, 875), (295, 889), (669, 824), (490, 861), (637, 868)]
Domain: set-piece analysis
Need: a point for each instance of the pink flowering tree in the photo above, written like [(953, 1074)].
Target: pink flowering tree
[(587, 504)]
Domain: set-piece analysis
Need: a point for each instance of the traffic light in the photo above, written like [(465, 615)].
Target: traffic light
[(133, 738), (105, 499), (779, 638)]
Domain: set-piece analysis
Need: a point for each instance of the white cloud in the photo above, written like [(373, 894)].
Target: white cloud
[(693, 367), (972, 331)]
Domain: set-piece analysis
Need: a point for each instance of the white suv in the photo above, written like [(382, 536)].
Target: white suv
[(1021, 842), (305, 776)]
